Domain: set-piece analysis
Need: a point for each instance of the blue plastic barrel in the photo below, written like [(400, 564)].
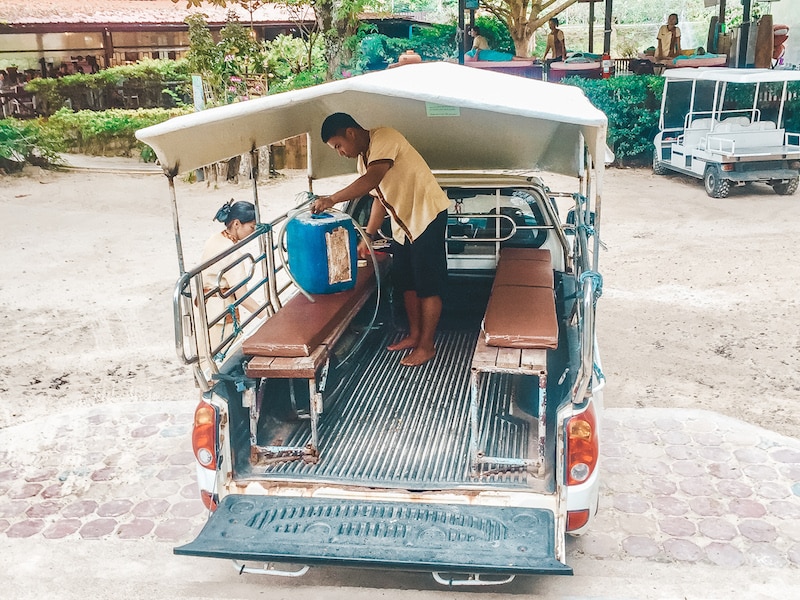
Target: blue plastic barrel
[(322, 252)]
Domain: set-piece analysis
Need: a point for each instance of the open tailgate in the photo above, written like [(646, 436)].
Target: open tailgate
[(406, 536)]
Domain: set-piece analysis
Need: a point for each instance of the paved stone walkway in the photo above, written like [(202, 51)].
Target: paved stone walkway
[(678, 485), (691, 485)]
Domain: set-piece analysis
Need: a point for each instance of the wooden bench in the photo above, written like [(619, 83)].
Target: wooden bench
[(296, 342), (519, 326)]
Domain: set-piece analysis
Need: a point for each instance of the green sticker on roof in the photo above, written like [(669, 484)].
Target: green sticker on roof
[(440, 110)]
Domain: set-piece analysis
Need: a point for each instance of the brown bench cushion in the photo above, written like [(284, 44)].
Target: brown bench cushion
[(300, 326), (521, 317), (534, 273), (542, 254)]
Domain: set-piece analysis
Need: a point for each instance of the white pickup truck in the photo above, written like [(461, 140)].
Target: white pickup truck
[(313, 445), (730, 126)]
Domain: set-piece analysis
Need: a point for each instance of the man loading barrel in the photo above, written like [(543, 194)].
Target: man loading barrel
[(403, 187)]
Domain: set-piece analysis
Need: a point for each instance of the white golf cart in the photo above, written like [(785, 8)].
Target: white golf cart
[(730, 126)]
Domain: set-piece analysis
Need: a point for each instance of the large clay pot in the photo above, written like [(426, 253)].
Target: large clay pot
[(408, 57)]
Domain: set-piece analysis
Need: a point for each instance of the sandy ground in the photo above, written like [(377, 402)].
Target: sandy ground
[(699, 307)]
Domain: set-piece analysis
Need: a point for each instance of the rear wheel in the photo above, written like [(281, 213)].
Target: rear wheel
[(786, 188), (658, 166), (716, 186)]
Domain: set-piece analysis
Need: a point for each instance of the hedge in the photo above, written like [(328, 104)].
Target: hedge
[(632, 105)]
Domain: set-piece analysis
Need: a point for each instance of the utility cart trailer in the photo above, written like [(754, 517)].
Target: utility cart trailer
[(314, 445), (730, 126)]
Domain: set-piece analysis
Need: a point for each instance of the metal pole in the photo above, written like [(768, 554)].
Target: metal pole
[(175, 222), (591, 27), (744, 34), (607, 31), (461, 31)]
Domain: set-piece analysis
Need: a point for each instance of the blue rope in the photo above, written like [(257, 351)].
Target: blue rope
[(220, 356), (599, 372), (241, 381), (598, 282), (590, 231)]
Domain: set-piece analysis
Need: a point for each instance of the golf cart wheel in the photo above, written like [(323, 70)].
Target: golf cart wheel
[(786, 188), (716, 186), (658, 166)]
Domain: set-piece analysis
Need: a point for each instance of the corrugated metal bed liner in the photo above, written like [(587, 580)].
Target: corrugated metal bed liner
[(403, 427)]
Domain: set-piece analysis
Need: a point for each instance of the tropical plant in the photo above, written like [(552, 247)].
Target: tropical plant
[(109, 132), (632, 105), (336, 21), (102, 89), (289, 65), (27, 142)]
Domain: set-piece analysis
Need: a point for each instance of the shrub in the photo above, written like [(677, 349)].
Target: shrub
[(632, 105), (27, 142), (287, 61), (153, 82), (110, 132)]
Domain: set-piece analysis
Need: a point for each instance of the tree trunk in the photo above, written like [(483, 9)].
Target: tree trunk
[(336, 26), (523, 18)]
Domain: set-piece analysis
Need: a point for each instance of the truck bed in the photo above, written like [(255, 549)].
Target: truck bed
[(390, 426)]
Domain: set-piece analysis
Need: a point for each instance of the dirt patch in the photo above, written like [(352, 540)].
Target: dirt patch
[(698, 308)]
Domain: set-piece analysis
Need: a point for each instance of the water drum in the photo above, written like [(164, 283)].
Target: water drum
[(322, 252)]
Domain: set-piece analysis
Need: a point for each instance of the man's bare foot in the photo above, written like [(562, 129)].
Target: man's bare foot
[(407, 343), (419, 356)]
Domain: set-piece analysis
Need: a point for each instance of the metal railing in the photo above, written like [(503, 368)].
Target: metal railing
[(194, 324), (589, 290)]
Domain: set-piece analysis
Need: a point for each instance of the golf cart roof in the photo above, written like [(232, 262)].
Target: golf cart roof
[(732, 75), (457, 117)]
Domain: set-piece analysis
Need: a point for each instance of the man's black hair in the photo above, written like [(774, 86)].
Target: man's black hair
[(335, 124), (555, 20)]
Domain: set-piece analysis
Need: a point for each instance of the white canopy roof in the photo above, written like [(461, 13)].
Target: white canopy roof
[(457, 117), (733, 75)]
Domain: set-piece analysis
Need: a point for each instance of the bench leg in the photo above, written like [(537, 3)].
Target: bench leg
[(315, 404), (315, 390), (252, 401), (477, 456), (542, 418), (474, 389)]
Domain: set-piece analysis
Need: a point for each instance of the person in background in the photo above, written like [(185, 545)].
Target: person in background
[(668, 44), (403, 186), (479, 42), (555, 43), (239, 219), (482, 51)]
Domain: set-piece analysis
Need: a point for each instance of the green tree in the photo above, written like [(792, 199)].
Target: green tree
[(227, 64), (336, 21), (291, 66), (524, 17)]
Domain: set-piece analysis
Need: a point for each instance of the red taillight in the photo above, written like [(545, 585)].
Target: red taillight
[(582, 446), (209, 499), (204, 435), (577, 519), (728, 167)]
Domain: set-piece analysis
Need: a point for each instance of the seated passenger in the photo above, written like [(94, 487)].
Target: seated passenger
[(482, 51)]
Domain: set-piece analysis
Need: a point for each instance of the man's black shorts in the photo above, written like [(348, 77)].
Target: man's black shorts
[(421, 266)]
